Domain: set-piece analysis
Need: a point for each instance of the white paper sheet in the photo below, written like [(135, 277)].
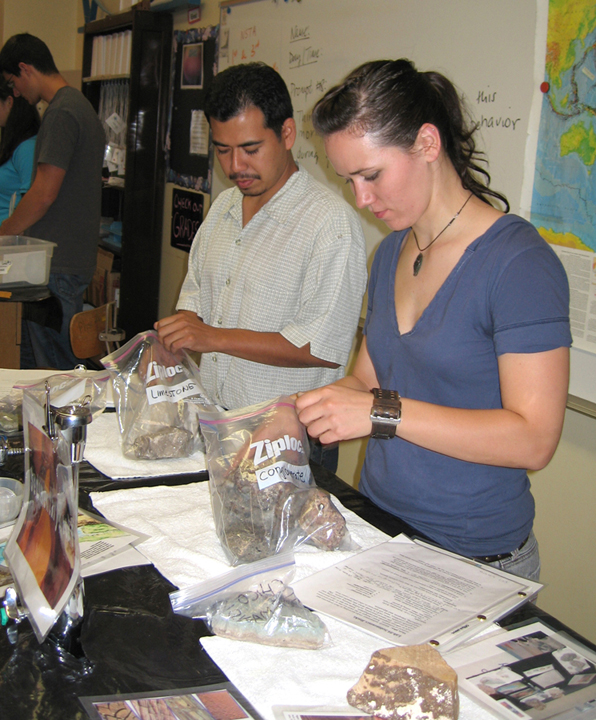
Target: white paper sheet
[(408, 593)]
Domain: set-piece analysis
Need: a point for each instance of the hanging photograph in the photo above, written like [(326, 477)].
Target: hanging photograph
[(191, 77)]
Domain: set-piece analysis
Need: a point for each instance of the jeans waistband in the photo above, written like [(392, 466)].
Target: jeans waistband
[(501, 556)]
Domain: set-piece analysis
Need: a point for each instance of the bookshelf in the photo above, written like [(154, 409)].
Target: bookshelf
[(131, 52)]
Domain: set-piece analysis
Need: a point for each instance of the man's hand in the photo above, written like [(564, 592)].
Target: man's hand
[(187, 331)]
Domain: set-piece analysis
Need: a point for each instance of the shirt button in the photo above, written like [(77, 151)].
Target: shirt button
[(214, 358), (228, 281), (219, 321), (237, 241)]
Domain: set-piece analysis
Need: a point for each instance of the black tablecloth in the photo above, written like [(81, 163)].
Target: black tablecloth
[(39, 305), (132, 640)]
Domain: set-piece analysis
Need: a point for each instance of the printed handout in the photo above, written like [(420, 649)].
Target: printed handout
[(408, 592)]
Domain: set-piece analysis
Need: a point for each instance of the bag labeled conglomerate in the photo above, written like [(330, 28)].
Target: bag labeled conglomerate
[(157, 395), (263, 494)]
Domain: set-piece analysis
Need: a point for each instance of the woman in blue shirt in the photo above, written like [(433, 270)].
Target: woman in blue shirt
[(19, 122), (467, 321)]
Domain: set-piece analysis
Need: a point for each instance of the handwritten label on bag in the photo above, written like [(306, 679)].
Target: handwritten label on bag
[(282, 472), (171, 393)]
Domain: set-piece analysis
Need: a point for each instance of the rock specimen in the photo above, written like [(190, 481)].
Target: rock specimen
[(168, 442), (321, 521), (267, 618), (253, 523), (407, 683)]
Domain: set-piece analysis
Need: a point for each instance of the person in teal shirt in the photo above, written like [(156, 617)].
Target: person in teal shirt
[(19, 122)]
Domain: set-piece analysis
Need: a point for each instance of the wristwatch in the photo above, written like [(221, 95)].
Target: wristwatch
[(385, 413)]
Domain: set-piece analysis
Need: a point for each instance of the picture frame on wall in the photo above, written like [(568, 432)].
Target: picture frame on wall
[(191, 70)]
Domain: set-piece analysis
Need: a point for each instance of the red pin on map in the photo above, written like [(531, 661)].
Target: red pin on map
[(544, 87)]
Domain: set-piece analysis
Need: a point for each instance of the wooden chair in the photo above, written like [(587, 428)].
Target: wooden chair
[(94, 333)]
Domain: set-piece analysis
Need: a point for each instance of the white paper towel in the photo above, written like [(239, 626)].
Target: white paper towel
[(269, 676), (183, 544), (104, 451)]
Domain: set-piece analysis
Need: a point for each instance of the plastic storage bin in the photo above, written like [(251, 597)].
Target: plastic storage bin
[(25, 260)]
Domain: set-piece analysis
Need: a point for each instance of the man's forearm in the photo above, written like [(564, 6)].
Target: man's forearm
[(186, 330), (27, 213), (268, 348), (36, 201)]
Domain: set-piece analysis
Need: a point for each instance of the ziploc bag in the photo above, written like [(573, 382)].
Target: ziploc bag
[(263, 494), (254, 603), (157, 396)]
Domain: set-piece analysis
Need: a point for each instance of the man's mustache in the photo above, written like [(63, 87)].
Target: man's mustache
[(243, 176)]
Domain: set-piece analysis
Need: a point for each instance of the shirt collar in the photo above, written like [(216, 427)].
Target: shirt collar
[(281, 204)]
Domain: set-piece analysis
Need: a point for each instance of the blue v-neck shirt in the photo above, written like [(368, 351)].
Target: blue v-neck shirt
[(507, 294)]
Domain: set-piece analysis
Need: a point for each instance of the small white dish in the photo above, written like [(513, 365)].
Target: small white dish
[(11, 499)]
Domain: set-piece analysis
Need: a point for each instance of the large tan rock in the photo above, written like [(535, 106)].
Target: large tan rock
[(407, 683)]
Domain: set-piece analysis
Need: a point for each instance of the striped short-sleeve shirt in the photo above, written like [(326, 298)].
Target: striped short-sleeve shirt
[(298, 267)]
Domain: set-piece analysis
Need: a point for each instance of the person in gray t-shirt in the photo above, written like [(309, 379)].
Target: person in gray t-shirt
[(63, 204)]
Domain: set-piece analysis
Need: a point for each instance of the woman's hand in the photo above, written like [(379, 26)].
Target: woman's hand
[(336, 412)]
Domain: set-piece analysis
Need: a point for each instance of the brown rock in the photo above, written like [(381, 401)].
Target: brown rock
[(407, 683), (321, 521)]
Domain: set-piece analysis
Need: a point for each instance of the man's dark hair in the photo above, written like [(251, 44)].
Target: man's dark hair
[(249, 85), (28, 49)]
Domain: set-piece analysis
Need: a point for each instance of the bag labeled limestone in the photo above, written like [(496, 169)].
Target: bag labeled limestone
[(157, 396)]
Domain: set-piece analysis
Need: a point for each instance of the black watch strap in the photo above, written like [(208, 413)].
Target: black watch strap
[(385, 414)]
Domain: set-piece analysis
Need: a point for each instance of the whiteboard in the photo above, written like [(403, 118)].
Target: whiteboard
[(486, 47)]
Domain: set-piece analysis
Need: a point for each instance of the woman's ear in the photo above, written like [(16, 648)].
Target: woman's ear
[(428, 142)]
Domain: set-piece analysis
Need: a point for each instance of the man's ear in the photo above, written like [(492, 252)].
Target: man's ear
[(288, 133), (25, 69), (428, 141)]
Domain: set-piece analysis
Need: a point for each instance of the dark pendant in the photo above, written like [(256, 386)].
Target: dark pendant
[(418, 264)]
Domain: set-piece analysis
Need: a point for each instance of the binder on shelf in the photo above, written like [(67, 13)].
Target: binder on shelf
[(127, 50), (111, 54), (109, 39), (121, 64)]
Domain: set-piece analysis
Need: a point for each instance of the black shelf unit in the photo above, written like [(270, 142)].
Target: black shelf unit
[(144, 181)]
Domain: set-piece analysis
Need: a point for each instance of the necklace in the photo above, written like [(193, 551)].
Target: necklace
[(420, 257)]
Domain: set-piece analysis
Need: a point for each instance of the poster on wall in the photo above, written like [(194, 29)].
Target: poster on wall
[(191, 71), (187, 216), (559, 190), (189, 156)]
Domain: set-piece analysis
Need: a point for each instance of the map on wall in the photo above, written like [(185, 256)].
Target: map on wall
[(563, 204)]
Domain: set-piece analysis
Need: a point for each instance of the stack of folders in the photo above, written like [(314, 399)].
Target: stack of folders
[(111, 54)]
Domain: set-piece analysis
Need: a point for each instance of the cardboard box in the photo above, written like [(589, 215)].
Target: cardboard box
[(98, 289)]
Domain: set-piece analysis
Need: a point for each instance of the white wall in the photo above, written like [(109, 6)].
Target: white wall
[(55, 22)]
